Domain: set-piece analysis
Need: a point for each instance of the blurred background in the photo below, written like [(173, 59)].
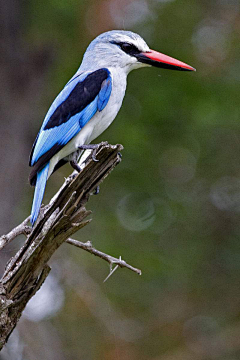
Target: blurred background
[(171, 208)]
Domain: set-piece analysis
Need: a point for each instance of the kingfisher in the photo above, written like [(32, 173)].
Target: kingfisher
[(89, 103)]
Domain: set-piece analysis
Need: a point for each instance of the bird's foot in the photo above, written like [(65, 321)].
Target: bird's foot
[(72, 176), (92, 147), (97, 190), (75, 165)]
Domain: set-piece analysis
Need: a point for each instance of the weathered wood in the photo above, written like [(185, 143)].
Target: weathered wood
[(66, 213)]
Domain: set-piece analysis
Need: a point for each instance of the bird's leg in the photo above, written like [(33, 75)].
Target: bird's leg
[(75, 165), (93, 147), (97, 190)]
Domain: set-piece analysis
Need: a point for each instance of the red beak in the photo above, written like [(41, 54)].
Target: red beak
[(157, 59)]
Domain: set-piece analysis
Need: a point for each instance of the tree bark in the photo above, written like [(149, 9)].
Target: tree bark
[(66, 213)]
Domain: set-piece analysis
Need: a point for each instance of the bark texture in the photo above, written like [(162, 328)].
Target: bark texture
[(66, 213)]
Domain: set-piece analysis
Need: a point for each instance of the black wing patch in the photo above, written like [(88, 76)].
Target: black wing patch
[(81, 96), (31, 154), (42, 162), (33, 174)]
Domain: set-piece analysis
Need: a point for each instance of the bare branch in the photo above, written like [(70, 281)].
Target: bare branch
[(57, 222), (110, 259), (22, 228)]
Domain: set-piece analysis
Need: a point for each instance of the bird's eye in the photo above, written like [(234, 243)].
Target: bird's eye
[(129, 48), (126, 47)]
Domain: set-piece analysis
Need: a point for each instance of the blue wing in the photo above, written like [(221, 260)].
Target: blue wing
[(77, 103)]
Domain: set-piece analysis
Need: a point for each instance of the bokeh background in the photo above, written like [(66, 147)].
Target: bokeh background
[(171, 208)]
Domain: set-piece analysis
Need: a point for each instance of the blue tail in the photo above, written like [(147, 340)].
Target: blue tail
[(42, 176)]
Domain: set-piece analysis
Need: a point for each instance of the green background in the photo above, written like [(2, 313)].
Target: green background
[(171, 208)]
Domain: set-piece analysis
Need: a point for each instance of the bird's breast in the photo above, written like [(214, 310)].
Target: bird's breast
[(102, 119), (99, 122)]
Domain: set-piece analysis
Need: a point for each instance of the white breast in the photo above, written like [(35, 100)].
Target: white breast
[(99, 122)]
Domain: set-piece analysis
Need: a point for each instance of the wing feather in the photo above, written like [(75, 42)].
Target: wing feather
[(72, 109)]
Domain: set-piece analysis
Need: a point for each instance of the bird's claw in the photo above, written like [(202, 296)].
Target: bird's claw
[(72, 176), (93, 147), (75, 165), (94, 155), (97, 190)]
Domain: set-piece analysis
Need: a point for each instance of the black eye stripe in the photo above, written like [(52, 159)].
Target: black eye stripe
[(128, 48)]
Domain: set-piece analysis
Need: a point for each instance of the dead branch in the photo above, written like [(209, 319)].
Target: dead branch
[(22, 228), (110, 259), (57, 222)]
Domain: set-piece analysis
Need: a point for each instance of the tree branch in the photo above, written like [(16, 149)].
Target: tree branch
[(110, 259), (22, 228), (57, 222)]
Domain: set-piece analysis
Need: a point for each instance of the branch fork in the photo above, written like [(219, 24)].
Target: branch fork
[(57, 222)]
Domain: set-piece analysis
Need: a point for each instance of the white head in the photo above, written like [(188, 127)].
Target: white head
[(110, 49), (126, 50)]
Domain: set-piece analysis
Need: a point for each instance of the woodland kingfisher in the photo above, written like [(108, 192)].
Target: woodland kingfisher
[(89, 103)]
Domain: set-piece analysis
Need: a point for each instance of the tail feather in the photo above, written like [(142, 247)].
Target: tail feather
[(42, 176)]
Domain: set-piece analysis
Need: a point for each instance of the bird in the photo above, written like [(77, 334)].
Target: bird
[(89, 103)]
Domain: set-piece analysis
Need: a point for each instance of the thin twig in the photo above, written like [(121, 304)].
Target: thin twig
[(112, 271), (110, 259), (22, 228)]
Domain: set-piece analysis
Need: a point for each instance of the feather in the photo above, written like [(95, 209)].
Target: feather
[(77, 103), (39, 192), (64, 121)]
